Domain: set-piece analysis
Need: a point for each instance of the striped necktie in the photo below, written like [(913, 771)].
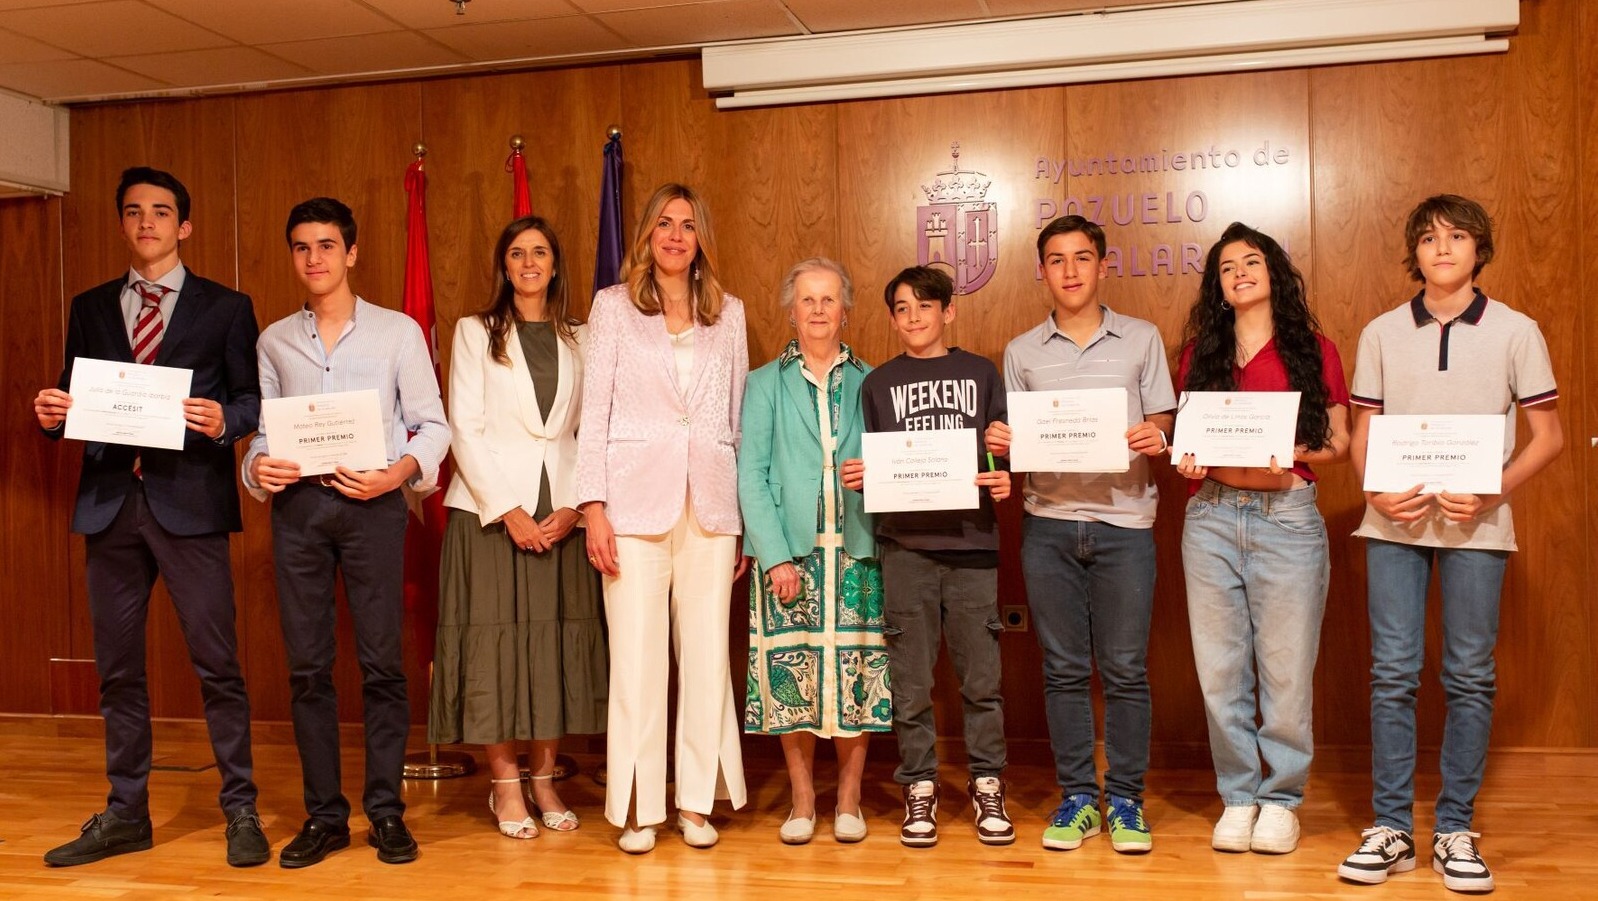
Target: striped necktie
[(147, 328)]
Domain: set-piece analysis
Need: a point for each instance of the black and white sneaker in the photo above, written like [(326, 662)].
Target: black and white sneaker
[(1454, 855), (920, 829), (987, 803), (1384, 850)]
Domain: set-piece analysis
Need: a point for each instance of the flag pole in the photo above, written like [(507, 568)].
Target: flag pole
[(432, 763)]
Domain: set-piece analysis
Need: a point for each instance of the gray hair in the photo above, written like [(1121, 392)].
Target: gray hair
[(818, 264)]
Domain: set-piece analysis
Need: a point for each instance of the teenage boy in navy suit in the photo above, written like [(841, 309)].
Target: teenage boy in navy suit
[(147, 511)]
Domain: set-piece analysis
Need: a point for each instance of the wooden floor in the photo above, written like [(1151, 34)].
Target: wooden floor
[(1539, 815)]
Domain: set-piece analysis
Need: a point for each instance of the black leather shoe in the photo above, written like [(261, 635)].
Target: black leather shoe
[(392, 840), (102, 836), (315, 841), (246, 841)]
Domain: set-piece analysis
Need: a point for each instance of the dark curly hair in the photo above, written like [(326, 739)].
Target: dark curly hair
[(1211, 334)]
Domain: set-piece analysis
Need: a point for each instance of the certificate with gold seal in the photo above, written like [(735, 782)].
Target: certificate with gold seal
[(322, 432)]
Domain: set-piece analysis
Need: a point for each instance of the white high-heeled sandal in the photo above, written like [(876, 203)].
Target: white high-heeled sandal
[(553, 820), (524, 829)]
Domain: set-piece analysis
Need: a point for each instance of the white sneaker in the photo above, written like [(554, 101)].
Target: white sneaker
[(1276, 830), (1455, 856), (1234, 831), (1382, 850)]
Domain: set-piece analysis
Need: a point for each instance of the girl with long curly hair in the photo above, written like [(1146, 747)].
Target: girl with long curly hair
[(1254, 545)]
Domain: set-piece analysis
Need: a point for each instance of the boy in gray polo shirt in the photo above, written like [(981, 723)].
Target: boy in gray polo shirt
[(1449, 350), (1087, 549)]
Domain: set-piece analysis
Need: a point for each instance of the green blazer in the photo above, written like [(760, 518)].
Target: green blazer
[(780, 470)]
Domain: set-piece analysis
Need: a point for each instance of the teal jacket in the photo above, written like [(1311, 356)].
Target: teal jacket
[(780, 470)]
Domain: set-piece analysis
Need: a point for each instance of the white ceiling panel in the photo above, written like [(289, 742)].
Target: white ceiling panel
[(565, 36), (277, 21), (115, 28), (367, 53)]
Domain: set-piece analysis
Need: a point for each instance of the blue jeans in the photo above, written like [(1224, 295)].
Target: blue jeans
[(1257, 572), (924, 602), (1471, 583), (1091, 589)]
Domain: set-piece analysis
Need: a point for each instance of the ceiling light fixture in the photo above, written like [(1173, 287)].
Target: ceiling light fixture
[(460, 6)]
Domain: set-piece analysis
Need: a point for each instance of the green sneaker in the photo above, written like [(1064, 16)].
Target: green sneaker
[(1077, 818), (1129, 832)]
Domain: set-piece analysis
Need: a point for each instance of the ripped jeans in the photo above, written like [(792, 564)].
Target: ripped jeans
[(925, 600)]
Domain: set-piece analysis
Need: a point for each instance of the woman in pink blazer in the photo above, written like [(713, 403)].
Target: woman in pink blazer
[(520, 653), (658, 486)]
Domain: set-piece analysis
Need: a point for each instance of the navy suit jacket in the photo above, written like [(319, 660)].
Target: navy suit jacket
[(192, 491)]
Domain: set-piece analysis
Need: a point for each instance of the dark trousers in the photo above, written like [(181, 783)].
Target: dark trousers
[(316, 531), (122, 563), (926, 602)]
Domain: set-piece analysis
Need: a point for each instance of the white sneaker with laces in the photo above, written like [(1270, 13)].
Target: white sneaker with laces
[(1234, 831), (1382, 850), (1454, 855), (1276, 830)]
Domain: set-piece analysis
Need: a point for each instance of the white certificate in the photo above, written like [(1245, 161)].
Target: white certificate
[(1461, 454), (930, 470), (126, 403), (324, 431), (1069, 431), (1236, 428)]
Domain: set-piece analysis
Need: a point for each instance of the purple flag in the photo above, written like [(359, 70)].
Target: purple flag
[(607, 258)]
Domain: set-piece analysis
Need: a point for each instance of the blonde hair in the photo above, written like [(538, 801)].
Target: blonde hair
[(639, 267)]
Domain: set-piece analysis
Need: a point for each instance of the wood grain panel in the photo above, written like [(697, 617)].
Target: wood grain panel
[(1363, 142), (353, 144), (1501, 129), (1203, 152), (193, 140), (467, 122), (768, 177), (39, 474), (1582, 396), (890, 153)]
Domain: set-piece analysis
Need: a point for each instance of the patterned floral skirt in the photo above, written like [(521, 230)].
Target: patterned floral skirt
[(818, 664)]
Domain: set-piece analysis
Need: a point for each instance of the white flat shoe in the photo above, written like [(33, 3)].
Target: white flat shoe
[(697, 836), (797, 830), (848, 827), (640, 840)]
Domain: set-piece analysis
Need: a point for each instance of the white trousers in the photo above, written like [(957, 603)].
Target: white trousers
[(677, 584)]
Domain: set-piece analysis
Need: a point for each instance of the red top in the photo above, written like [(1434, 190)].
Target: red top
[(1266, 373)]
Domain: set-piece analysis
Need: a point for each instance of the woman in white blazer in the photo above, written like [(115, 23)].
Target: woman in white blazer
[(521, 648), (658, 483)]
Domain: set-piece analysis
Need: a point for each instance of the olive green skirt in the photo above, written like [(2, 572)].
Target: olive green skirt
[(521, 639)]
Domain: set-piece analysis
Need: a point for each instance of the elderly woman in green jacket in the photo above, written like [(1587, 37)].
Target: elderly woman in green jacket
[(817, 664)]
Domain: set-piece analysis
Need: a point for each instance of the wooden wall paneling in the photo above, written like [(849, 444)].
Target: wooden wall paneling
[(194, 141), (354, 144), (466, 122), (1502, 130), (890, 153), (1582, 393), (39, 474), (1552, 641), (1203, 152), (768, 177)]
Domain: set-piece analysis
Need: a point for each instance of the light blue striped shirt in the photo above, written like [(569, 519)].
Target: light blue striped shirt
[(380, 349)]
